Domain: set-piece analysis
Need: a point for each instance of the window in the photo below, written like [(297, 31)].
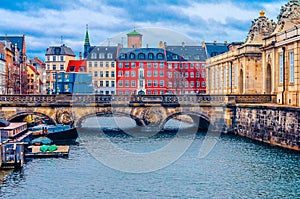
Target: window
[(54, 58), (112, 83), (230, 76), (109, 56), (102, 56), (148, 65), (203, 84), (174, 57), (141, 65), (106, 83), (106, 73), (192, 84), (161, 73), (112, 64), (126, 83), (141, 83), (186, 75), (120, 65), (155, 65), (160, 56), (107, 64), (123, 56), (161, 64), (141, 56), (198, 66), (62, 67), (281, 69), (112, 73), (198, 84), (127, 65), (133, 83), (54, 67), (235, 75), (126, 73), (186, 84), (101, 73), (95, 73), (197, 75), (155, 73), (95, 64), (132, 65), (101, 64), (169, 74), (120, 83), (149, 83), (149, 73), (101, 83), (203, 74), (292, 67), (132, 73), (169, 66), (161, 83), (176, 66), (186, 66), (192, 74), (61, 58), (94, 56), (225, 78), (169, 84), (155, 83), (192, 66), (132, 56), (150, 56), (120, 73)]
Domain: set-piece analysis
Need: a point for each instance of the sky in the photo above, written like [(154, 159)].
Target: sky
[(50, 22)]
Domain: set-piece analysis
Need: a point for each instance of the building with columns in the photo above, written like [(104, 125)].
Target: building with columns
[(268, 62), (281, 57), (239, 71)]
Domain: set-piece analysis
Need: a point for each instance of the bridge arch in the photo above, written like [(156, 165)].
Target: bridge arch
[(201, 119), (79, 121), (21, 115)]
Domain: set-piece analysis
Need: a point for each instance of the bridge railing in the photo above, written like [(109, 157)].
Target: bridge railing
[(68, 99)]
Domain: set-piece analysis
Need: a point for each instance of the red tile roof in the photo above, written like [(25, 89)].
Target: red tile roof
[(77, 64)]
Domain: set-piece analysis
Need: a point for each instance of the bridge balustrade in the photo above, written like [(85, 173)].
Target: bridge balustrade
[(68, 99)]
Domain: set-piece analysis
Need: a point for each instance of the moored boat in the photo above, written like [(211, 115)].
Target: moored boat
[(57, 133)]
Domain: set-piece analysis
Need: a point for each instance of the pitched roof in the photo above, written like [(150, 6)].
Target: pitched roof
[(186, 53), (137, 51), (60, 50), (213, 49), (102, 49), (77, 64), (34, 70), (19, 40)]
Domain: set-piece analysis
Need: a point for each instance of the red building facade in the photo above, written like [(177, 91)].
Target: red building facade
[(174, 69)]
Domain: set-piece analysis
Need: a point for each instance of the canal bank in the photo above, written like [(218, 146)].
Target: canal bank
[(278, 126)]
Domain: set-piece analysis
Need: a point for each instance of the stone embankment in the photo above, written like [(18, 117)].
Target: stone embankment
[(277, 126)]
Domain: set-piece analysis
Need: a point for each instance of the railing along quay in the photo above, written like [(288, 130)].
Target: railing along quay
[(131, 100)]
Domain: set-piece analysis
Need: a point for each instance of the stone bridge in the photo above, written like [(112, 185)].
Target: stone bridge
[(216, 111)]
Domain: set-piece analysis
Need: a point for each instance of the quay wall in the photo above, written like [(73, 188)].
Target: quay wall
[(278, 126)]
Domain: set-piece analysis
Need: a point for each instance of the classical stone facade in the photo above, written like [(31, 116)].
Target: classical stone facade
[(280, 54), (267, 63), (239, 71)]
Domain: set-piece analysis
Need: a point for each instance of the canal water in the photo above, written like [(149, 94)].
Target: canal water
[(235, 168)]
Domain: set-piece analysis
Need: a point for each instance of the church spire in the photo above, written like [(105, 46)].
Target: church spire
[(87, 38), (86, 42)]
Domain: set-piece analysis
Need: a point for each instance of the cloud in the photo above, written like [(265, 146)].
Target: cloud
[(45, 22)]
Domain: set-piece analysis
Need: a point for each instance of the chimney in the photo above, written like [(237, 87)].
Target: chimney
[(80, 55)]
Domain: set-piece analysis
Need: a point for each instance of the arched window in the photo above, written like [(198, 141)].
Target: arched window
[(160, 56), (132, 56), (141, 56), (150, 56)]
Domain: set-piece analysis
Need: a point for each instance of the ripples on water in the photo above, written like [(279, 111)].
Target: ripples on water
[(235, 168)]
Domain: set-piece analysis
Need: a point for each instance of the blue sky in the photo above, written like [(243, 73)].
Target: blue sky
[(191, 21)]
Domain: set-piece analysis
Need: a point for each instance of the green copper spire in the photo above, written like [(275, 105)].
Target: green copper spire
[(87, 46), (87, 38)]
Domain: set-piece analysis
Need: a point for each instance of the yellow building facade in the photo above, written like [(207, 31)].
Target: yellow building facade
[(268, 62), (239, 71)]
